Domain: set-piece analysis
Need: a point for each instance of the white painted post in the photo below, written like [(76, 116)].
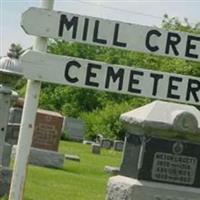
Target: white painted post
[(27, 124)]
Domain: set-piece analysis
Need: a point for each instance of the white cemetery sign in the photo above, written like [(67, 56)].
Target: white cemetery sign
[(96, 31), (46, 23), (112, 78)]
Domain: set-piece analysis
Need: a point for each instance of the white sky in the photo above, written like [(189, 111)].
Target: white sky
[(149, 12)]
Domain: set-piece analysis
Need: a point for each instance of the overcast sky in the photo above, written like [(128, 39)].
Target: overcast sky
[(140, 12)]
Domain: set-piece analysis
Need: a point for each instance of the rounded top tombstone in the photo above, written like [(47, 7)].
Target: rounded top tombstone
[(163, 116)]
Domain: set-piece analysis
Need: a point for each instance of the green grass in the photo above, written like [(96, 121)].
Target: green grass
[(76, 181)]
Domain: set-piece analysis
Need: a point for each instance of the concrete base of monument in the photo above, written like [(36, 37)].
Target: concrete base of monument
[(5, 179), (124, 188), (43, 158)]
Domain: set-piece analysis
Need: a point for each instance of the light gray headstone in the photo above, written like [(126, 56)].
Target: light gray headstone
[(12, 133), (96, 148), (111, 170), (118, 145), (15, 115), (124, 188), (89, 142), (43, 158), (72, 157), (106, 143), (74, 128)]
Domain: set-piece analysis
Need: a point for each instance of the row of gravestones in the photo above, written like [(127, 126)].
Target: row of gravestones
[(48, 128), (117, 145), (160, 156)]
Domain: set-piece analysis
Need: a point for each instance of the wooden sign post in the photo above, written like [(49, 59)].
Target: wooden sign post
[(27, 124), (40, 66)]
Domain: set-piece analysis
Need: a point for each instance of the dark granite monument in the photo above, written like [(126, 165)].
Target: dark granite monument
[(162, 144), (161, 156)]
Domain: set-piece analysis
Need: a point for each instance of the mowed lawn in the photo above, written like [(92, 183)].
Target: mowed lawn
[(76, 181)]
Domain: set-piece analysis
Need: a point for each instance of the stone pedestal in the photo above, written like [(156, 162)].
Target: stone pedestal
[(124, 188)]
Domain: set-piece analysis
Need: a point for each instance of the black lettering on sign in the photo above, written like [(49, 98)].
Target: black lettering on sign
[(190, 46), (96, 31), (172, 40), (115, 75), (194, 89), (68, 24), (156, 78), (172, 86), (85, 29), (68, 66), (115, 39), (91, 74), (132, 81), (148, 37)]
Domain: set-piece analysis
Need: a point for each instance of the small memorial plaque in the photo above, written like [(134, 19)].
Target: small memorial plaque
[(169, 161), (174, 168)]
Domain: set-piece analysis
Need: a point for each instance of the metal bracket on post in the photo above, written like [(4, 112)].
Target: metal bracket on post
[(27, 124)]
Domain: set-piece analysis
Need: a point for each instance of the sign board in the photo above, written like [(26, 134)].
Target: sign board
[(108, 33), (112, 78)]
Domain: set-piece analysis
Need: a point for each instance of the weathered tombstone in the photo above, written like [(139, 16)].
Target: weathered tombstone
[(74, 128), (15, 115), (111, 170), (12, 133), (89, 142), (162, 146), (118, 145), (106, 143), (96, 148), (47, 132), (99, 137), (43, 158), (72, 157)]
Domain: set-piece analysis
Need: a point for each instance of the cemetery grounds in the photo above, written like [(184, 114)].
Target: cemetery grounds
[(84, 180)]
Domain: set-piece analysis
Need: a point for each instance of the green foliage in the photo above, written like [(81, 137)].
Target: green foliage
[(101, 110), (106, 121)]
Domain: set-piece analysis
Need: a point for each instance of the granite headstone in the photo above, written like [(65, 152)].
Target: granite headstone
[(74, 128)]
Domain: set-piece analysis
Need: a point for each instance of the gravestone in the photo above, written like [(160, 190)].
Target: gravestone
[(12, 133), (162, 147), (43, 158), (47, 132), (96, 148), (111, 170), (106, 143), (13, 127), (15, 115), (74, 128), (118, 145)]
